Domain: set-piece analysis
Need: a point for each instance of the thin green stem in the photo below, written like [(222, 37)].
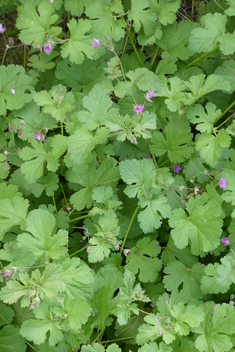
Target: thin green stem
[(80, 250), (153, 157), (154, 56), (225, 111), (64, 195), (134, 47), (4, 55), (122, 338), (191, 14), (54, 203), (128, 229), (100, 335), (80, 218), (202, 57), (120, 63), (61, 128), (25, 57), (164, 162), (225, 121)]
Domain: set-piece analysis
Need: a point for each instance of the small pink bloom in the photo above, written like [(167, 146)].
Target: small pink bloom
[(47, 47), (222, 182), (95, 42), (138, 108), (2, 29), (37, 136), (225, 240), (177, 168), (13, 91), (149, 95)]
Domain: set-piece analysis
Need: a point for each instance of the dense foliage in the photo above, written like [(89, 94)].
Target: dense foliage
[(117, 170)]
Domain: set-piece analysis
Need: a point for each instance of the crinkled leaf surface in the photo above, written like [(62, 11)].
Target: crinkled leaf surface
[(11, 340), (141, 16), (14, 77), (201, 226)]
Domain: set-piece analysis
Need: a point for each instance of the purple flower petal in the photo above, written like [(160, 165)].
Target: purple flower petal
[(222, 182), (177, 168), (95, 42), (2, 29), (225, 240), (13, 91), (37, 136), (47, 47), (138, 108)]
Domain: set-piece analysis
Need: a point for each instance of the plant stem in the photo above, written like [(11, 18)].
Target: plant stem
[(226, 110), (80, 250), (154, 56), (80, 218), (153, 157), (134, 47), (123, 338), (25, 57), (128, 229), (202, 57), (120, 63)]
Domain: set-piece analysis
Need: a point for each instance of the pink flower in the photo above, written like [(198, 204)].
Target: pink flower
[(225, 240), (2, 29), (222, 182), (13, 91), (37, 136), (47, 47), (95, 42), (138, 108), (177, 168), (149, 95)]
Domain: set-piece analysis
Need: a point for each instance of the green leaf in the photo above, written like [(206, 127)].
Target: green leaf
[(226, 70), (36, 330), (77, 312), (178, 274), (209, 282), (33, 169), (200, 85), (100, 108), (204, 119), (225, 275), (165, 10), (82, 142), (149, 218), (6, 315), (35, 120), (175, 38), (95, 348), (139, 172), (48, 183), (201, 226), (231, 10), (210, 146), (11, 340), (154, 347), (34, 27), (142, 17), (142, 259), (79, 43), (105, 21), (14, 77), (4, 167), (90, 178), (56, 102), (214, 334), (12, 212), (8, 191), (76, 7), (16, 256), (59, 146), (42, 61), (40, 223), (176, 141), (212, 32)]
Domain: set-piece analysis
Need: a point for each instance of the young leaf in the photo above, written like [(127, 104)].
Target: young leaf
[(36, 330), (14, 77), (34, 26), (40, 223), (176, 141), (139, 172), (142, 259), (79, 43), (178, 274), (149, 218), (12, 212), (202, 225), (100, 108), (105, 21), (209, 282), (142, 17), (203, 119), (56, 102), (206, 39), (165, 10), (90, 178), (210, 146)]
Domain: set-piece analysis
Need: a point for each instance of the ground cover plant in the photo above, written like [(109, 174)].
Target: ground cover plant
[(117, 170)]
